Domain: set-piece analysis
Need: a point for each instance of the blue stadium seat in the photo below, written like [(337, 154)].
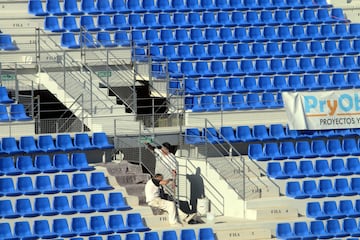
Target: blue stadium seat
[(228, 134), (23, 208), (338, 165), (187, 234), (211, 135), (306, 167), (229, 51), (42, 230), (80, 227), (79, 161), (291, 170), (7, 167), (24, 164), (301, 230), (310, 189), (235, 85), (62, 163), (17, 111), (116, 224), (255, 152), (62, 183), (82, 142), (61, 204), (253, 100), (353, 164), (43, 163), (25, 186), (68, 40), (42, 205), (120, 7), (238, 19), (226, 35), (164, 5), (132, 236), (354, 184), (334, 147), (322, 166), (79, 181), (349, 146), (105, 7), (314, 210), (150, 6), (331, 210), (89, 7), (86, 40), (341, 31), (27, 144), (288, 149), (53, 7), (80, 204), (122, 39), (318, 147), (98, 203), (243, 134), (346, 207), (326, 187), (151, 236), (105, 40), (169, 235), (274, 170), (64, 142), (61, 228), (70, 24), (52, 24), (7, 211), (98, 180), (134, 221), (208, 5), (192, 136), (237, 100), (342, 186), (179, 6), (260, 132), (333, 227), (277, 131), (272, 150), (71, 7), (224, 103), (4, 117), (105, 23), (35, 7), (117, 201), (98, 225), (303, 149), (281, 83), (44, 185), (266, 18), (208, 18), (221, 86), (350, 226), (206, 234), (284, 231), (22, 230)]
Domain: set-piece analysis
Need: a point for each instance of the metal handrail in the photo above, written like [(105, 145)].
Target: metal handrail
[(72, 113)]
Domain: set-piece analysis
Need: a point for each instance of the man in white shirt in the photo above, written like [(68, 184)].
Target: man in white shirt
[(153, 199)]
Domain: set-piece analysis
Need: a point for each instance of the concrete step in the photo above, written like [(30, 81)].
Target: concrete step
[(279, 212), (243, 234)]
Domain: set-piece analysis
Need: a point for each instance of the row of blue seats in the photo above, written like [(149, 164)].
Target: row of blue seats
[(6, 43), (44, 164), (16, 112), (264, 133), (253, 50), (194, 20), (185, 234), (104, 39), (53, 7), (80, 226), (61, 205), (63, 142), (211, 35), (262, 67), (306, 168), (245, 34), (332, 209), (323, 188), (59, 183), (209, 103), (318, 230), (304, 149), (191, 86)]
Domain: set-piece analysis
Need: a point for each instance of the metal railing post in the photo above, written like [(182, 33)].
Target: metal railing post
[(16, 84)]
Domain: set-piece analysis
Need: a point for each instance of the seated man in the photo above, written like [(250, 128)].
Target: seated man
[(153, 199)]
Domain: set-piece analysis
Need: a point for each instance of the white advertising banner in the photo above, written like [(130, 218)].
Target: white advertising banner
[(322, 110)]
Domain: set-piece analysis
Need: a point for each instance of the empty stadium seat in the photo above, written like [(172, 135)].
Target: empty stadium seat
[(61, 228), (42, 229), (97, 202), (62, 163), (35, 7), (44, 164), (42, 205), (80, 227), (7, 167), (294, 190), (116, 224), (134, 221), (23, 208), (71, 7), (79, 161), (314, 210), (7, 210), (98, 225), (25, 186), (89, 7), (98, 180), (62, 183), (44, 185), (284, 231), (80, 204), (255, 152), (193, 136), (17, 111), (53, 7), (22, 230), (79, 181)]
